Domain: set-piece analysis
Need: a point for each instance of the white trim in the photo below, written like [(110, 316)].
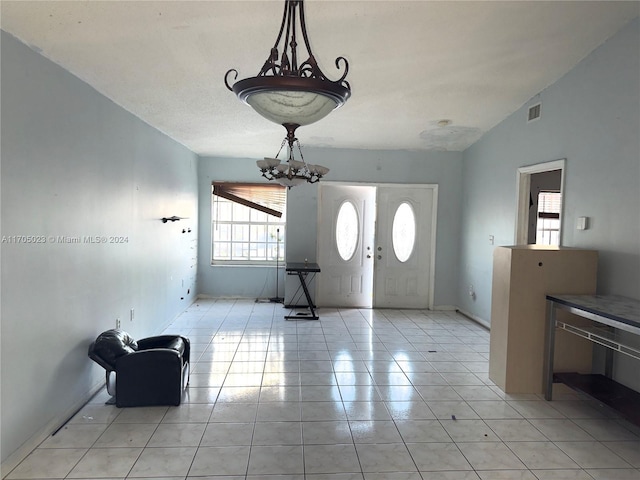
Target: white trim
[(523, 190), (475, 318), (432, 261), (444, 308), (379, 184)]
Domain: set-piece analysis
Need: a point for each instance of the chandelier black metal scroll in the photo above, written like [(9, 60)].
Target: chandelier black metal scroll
[(289, 93)]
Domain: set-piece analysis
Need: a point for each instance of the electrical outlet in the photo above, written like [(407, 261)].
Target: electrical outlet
[(118, 323), (491, 239), (472, 292)]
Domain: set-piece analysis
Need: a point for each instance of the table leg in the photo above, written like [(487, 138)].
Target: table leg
[(608, 362), (309, 304), (549, 350)]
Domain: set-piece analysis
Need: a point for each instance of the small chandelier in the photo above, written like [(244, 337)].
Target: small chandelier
[(288, 93), (292, 172)]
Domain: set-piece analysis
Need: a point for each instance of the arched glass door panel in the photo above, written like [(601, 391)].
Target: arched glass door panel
[(403, 233), (347, 230)]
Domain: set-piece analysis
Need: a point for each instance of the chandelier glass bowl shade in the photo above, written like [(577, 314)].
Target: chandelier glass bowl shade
[(286, 92)]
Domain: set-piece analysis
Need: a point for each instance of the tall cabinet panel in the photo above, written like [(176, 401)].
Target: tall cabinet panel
[(522, 277)]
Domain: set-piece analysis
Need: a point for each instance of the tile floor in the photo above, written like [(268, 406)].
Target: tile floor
[(357, 395)]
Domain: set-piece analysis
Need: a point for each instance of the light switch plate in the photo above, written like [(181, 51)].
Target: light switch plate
[(582, 223)]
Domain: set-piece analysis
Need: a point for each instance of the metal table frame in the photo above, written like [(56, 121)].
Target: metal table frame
[(609, 312), (302, 270)]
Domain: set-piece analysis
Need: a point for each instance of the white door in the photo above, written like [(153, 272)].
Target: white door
[(345, 245), (403, 251)]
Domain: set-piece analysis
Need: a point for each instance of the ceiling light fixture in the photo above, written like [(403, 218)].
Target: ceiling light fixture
[(292, 172), (286, 92)]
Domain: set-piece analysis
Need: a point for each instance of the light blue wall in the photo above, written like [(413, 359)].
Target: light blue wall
[(442, 168), (74, 164), (591, 117)]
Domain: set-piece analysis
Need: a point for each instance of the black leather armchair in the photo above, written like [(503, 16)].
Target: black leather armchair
[(151, 371)]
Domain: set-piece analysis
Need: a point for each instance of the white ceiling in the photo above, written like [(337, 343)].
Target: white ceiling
[(412, 63)]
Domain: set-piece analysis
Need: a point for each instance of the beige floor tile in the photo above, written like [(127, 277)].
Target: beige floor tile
[(430, 457), (469, 431), (48, 463), (271, 460), (227, 434), (158, 462), (490, 456), (210, 461), (277, 433), (540, 455), (382, 458), (561, 430), (326, 433), (177, 435), (75, 436), (630, 451), (331, 459), (592, 455), (515, 431), (126, 435)]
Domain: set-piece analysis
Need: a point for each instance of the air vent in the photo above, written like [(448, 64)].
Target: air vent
[(534, 112)]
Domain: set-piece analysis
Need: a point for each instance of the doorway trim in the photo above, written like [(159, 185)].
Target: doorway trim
[(434, 223), (523, 192)]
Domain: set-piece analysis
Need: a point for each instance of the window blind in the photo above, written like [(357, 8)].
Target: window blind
[(268, 198), (549, 204)]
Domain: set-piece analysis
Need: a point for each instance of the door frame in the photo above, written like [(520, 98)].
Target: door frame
[(434, 222), (523, 192)]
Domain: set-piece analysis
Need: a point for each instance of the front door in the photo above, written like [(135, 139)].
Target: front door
[(404, 239), (345, 245), (376, 245)]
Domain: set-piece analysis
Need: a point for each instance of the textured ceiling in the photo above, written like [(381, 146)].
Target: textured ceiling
[(412, 64)]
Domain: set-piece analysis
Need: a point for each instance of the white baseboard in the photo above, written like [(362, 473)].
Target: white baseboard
[(13, 460), (475, 318), (445, 308), (206, 296)]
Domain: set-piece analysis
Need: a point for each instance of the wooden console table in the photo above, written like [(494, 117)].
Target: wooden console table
[(610, 315)]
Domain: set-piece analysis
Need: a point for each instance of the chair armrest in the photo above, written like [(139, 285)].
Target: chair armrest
[(98, 359)]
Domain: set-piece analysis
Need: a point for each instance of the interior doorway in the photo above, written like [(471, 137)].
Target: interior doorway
[(376, 245), (540, 204)]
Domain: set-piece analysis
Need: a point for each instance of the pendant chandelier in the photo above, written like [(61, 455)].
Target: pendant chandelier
[(289, 93), (292, 172)]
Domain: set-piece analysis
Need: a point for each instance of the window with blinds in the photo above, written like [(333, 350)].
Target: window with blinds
[(548, 221), (248, 223)]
